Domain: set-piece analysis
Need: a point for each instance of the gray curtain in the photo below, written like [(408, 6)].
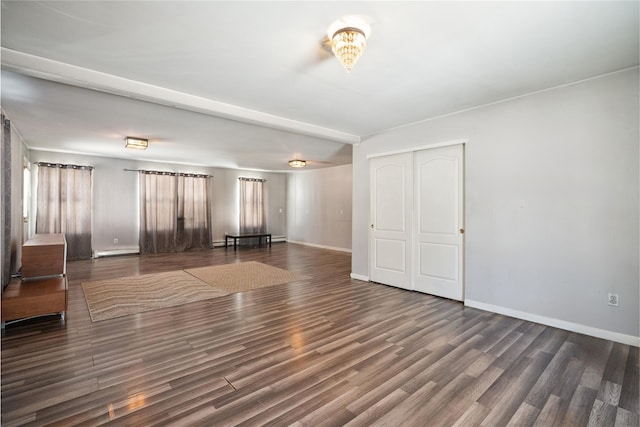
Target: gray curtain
[(174, 212), (252, 213), (194, 217), (6, 200), (158, 213), (64, 206)]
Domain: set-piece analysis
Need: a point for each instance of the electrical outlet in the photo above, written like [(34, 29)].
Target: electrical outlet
[(614, 300), (115, 241)]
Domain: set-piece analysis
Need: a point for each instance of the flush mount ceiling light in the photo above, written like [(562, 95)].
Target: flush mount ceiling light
[(136, 143), (297, 163), (348, 36)]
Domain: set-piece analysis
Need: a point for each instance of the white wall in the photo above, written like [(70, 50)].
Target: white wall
[(552, 202), (115, 197), (319, 207), (226, 201)]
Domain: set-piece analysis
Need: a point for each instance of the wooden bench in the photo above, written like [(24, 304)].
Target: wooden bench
[(39, 297), (238, 236), (43, 288)]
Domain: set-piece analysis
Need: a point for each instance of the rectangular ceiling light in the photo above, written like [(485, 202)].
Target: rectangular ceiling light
[(136, 143)]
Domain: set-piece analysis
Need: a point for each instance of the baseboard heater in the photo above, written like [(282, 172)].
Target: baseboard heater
[(132, 250), (114, 252)]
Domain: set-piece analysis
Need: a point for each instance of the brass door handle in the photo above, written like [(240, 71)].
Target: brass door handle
[(371, 225), (462, 231)]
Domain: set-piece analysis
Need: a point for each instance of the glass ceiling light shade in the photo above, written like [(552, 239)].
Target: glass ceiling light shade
[(297, 163), (348, 36), (136, 143), (347, 45)]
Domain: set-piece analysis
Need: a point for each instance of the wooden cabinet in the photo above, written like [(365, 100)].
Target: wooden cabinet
[(44, 255), (43, 288), (34, 298)]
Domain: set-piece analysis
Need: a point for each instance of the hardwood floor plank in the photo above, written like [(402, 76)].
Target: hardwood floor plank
[(550, 377), (626, 418), (525, 416), (512, 374), (580, 407), (28, 403), (329, 350), (595, 363), (610, 393), (332, 413), (480, 365), (406, 412), (472, 416), (629, 395), (294, 408), (482, 383), (378, 409), (87, 407), (504, 397), (549, 342), (25, 420), (443, 408), (530, 333), (551, 413), (602, 414), (202, 388), (570, 380), (615, 369), (47, 374), (375, 388)]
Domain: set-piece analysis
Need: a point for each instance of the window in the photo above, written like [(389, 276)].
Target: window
[(64, 205), (174, 212), (252, 214)]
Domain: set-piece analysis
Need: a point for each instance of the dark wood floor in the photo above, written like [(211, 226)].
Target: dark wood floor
[(324, 351)]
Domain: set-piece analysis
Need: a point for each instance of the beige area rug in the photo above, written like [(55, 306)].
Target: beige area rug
[(112, 298), (108, 299), (244, 276)]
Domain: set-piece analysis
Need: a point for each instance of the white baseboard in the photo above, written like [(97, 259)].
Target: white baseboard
[(333, 248), (113, 252), (557, 323), (359, 277)]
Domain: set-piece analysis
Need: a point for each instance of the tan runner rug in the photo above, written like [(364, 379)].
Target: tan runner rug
[(112, 298), (244, 276)]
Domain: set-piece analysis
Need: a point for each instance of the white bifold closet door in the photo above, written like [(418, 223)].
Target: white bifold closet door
[(417, 213), (391, 219), (438, 232)]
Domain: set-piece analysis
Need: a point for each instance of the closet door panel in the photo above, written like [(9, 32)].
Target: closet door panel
[(439, 222), (390, 241)]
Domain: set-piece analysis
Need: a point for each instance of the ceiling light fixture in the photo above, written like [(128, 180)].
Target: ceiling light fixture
[(297, 163), (136, 143), (348, 37)]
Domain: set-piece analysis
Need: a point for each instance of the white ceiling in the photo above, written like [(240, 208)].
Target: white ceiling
[(250, 85)]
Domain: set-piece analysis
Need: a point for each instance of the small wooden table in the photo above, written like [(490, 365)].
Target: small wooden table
[(238, 236)]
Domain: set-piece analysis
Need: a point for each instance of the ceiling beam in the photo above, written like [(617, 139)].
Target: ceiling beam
[(36, 66)]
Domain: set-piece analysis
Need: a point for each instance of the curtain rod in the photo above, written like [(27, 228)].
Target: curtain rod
[(150, 172), (252, 179), (60, 165)]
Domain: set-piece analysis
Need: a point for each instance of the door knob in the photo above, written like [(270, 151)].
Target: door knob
[(371, 225), (462, 231)]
